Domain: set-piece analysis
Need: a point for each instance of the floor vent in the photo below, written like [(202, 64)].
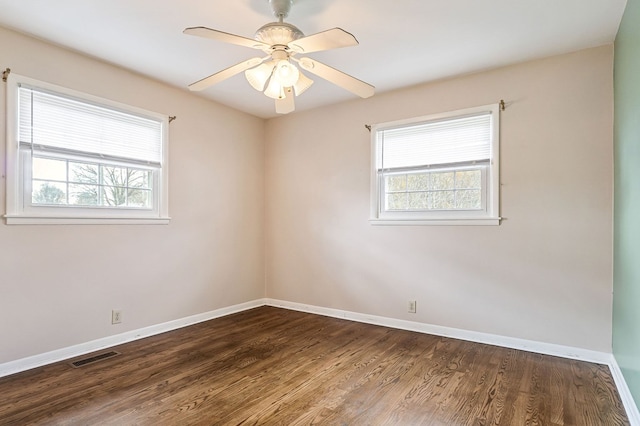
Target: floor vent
[(95, 358)]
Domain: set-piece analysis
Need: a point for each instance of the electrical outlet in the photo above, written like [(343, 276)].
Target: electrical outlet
[(412, 306), (116, 316)]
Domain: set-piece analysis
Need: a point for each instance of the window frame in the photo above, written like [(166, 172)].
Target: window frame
[(489, 215), (19, 178)]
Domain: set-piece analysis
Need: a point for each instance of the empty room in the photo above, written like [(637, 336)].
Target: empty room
[(427, 217)]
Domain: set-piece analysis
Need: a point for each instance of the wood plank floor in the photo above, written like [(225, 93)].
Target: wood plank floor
[(277, 367)]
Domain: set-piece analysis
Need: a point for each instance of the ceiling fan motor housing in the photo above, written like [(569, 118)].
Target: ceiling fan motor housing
[(278, 33)]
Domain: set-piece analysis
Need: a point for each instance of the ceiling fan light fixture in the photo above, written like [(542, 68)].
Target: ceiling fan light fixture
[(302, 84), (275, 90), (286, 73), (258, 76)]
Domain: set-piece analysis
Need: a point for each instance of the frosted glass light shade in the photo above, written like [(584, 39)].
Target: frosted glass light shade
[(258, 76), (286, 73), (302, 84), (274, 89)]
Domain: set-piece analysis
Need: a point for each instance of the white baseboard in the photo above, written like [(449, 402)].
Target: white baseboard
[(39, 360), (455, 333), (625, 394)]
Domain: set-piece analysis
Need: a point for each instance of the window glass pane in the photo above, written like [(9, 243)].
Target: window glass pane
[(438, 190), (419, 200), (49, 169), (139, 178), (116, 176), (83, 195), (83, 172), (121, 186), (444, 200), (469, 199), (396, 182), (139, 198), (442, 180), (113, 196), (469, 179), (397, 201), (45, 192), (418, 182)]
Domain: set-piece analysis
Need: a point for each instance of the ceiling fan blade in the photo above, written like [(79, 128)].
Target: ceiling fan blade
[(226, 37), (286, 104), (226, 73), (330, 39), (352, 84)]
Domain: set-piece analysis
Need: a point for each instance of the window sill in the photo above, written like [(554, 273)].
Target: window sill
[(46, 220), (489, 221)]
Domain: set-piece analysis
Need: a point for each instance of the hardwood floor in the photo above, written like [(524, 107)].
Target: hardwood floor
[(278, 367)]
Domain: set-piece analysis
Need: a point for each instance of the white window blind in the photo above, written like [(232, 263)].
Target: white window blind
[(54, 122), (449, 141)]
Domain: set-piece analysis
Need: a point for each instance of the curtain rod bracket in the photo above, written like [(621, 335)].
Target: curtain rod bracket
[(368, 127), (5, 74), (502, 105), (171, 118)]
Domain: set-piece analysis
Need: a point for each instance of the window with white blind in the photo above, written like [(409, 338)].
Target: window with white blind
[(439, 169), (75, 158)]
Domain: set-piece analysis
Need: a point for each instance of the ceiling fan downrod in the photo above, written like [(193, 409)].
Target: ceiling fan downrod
[(281, 8)]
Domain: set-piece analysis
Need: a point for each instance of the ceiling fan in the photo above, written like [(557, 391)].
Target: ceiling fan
[(282, 42)]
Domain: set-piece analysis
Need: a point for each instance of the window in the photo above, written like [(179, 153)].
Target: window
[(440, 169), (75, 158)]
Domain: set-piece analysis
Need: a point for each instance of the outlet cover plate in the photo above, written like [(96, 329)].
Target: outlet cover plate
[(116, 316)]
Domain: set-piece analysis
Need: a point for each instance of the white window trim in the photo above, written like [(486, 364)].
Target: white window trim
[(488, 217), (19, 214)]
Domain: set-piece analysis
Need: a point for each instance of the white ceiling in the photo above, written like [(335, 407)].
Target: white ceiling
[(402, 42)]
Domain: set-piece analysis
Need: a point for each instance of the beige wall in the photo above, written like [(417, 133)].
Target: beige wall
[(544, 274), (58, 284)]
